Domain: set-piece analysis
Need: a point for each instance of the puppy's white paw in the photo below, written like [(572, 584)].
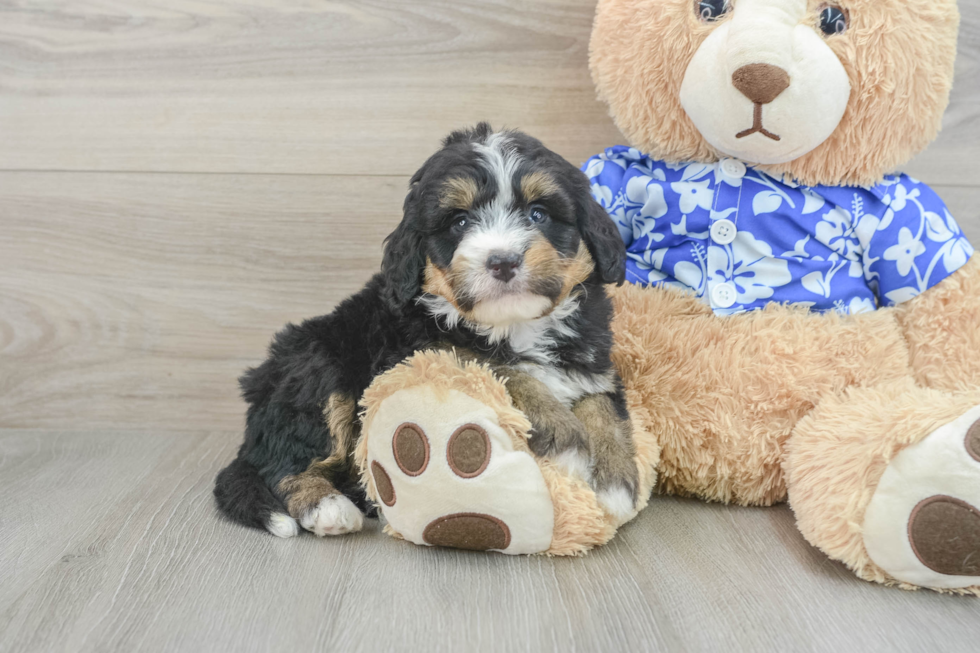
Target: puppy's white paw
[(617, 501), (282, 525), (334, 515), (575, 463)]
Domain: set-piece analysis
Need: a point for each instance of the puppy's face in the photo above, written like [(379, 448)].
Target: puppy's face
[(505, 228)]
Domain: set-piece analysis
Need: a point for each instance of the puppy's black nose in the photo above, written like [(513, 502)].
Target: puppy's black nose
[(502, 265)]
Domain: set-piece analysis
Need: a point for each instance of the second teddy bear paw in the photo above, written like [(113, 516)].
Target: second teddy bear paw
[(334, 515), (447, 474), (922, 525)]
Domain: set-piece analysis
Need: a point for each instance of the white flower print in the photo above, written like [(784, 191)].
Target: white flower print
[(836, 232), (649, 196), (750, 265), (811, 202), (595, 167), (861, 305), (851, 249), (651, 262), (603, 195), (905, 251), (694, 194)]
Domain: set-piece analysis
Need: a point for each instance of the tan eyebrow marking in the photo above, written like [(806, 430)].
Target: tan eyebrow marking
[(458, 193), (538, 184)]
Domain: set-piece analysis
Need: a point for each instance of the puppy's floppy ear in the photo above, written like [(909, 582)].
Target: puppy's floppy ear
[(404, 259), (602, 238)]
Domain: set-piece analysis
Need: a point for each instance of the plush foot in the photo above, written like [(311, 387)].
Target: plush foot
[(922, 525), (447, 474), (335, 514)]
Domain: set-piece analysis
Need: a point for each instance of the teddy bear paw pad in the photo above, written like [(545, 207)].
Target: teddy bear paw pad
[(922, 525), (945, 535), (468, 531), (447, 474)]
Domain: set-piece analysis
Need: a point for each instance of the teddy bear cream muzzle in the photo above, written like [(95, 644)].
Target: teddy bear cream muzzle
[(763, 87)]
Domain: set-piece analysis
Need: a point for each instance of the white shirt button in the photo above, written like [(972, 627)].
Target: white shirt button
[(733, 168), (723, 232), (723, 295)]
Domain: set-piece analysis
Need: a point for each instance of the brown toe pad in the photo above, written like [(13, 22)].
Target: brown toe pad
[(468, 451), (468, 530), (383, 483), (945, 535), (411, 449), (973, 441)]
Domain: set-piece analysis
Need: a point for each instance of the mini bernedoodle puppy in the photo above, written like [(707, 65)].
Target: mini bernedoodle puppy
[(502, 256)]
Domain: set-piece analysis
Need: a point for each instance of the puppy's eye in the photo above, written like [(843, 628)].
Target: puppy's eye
[(833, 20), (460, 222), (711, 10), (538, 215)]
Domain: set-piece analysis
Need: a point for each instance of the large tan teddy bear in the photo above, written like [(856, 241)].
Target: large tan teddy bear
[(803, 322)]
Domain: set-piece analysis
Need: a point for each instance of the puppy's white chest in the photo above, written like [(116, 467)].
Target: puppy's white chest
[(568, 386)]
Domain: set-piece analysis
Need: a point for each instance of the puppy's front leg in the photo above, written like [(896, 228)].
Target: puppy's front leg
[(311, 496), (615, 476), (556, 432)]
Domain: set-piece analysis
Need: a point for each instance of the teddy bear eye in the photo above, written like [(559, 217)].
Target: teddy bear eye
[(833, 20), (711, 10)]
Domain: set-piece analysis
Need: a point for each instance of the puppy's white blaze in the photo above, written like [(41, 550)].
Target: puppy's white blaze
[(505, 234), (617, 501), (500, 160), (575, 463), (334, 515), (510, 309), (282, 525)]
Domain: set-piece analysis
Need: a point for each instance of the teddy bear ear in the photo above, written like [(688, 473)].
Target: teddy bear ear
[(603, 241)]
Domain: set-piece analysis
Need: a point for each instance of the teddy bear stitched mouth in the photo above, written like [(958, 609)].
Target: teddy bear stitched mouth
[(757, 127)]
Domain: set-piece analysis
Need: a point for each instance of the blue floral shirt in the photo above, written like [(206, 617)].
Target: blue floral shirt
[(740, 239)]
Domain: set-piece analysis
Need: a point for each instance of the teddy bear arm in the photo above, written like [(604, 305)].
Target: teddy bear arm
[(885, 479), (942, 328)]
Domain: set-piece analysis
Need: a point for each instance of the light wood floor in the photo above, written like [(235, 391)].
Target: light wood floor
[(177, 180)]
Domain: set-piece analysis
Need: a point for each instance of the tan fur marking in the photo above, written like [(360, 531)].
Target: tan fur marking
[(303, 491), (538, 184), (610, 441), (541, 259), (341, 417), (458, 193), (577, 270)]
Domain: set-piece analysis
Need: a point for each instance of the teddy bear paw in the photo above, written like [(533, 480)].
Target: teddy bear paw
[(447, 474), (922, 525)]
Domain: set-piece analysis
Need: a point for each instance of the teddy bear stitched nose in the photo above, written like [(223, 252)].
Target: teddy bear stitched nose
[(761, 82)]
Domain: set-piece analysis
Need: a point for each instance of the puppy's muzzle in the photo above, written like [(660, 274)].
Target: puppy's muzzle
[(503, 266)]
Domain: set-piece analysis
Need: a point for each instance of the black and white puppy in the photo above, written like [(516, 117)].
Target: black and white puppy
[(502, 255)]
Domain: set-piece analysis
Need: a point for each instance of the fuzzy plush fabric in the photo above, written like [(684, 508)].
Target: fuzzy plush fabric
[(579, 523), (724, 394), (940, 327), (838, 453), (898, 55), (780, 403)]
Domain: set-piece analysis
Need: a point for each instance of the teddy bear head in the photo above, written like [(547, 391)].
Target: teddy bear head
[(823, 92)]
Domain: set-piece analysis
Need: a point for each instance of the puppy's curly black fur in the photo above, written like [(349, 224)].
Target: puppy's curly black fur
[(301, 422)]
